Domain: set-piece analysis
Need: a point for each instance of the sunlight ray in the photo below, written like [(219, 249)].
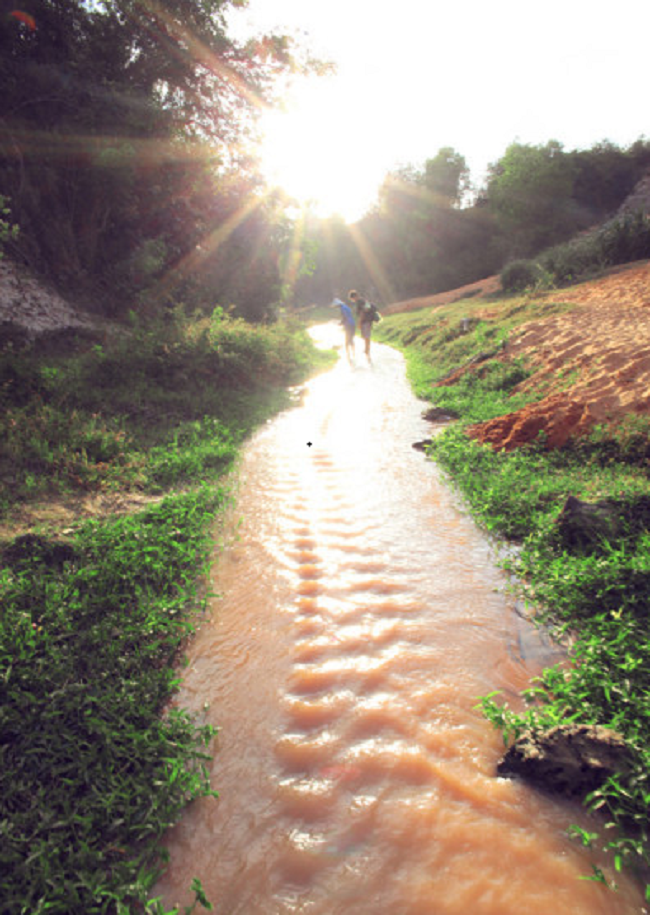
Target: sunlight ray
[(108, 150), (173, 29), (290, 263), (192, 261), (376, 271)]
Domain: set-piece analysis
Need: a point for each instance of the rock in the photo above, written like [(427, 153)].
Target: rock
[(568, 759), (33, 548), (584, 525), (439, 415), (423, 445)]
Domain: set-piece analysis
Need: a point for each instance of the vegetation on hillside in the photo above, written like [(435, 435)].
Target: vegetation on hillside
[(94, 614), (620, 240), (596, 592), (430, 232)]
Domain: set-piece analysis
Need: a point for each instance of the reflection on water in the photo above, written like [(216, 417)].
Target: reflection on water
[(361, 617)]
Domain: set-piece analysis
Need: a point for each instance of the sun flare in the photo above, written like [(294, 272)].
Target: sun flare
[(310, 151)]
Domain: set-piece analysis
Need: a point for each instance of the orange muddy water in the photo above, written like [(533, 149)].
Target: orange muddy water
[(360, 617)]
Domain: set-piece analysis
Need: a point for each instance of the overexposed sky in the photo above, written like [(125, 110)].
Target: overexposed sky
[(415, 75)]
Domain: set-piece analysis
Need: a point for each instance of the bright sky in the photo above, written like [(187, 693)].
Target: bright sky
[(415, 75)]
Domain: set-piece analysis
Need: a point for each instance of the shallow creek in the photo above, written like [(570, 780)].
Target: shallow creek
[(359, 616)]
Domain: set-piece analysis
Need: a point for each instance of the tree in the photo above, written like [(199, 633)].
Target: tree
[(447, 176), (605, 175), (530, 192), (112, 118)]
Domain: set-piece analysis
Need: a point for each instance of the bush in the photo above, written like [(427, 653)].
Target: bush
[(519, 275), (619, 241), (574, 260), (91, 775), (625, 239)]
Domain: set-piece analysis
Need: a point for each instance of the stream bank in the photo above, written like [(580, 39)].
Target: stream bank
[(361, 615)]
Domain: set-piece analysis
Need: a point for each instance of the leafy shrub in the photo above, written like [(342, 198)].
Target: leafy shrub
[(625, 239), (43, 446), (573, 260), (91, 775), (519, 275), (619, 241), (198, 449)]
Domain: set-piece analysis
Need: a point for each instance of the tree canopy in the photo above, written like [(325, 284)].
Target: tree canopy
[(123, 130)]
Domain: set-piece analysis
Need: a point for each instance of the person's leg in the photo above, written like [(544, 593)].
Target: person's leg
[(365, 333), (349, 343)]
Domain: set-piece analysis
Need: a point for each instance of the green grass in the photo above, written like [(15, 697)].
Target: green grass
[(599, 592), (90, 774), (157, 404), (95, 764)]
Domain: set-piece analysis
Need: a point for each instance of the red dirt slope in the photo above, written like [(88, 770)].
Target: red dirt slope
[(603, 351), (481, 288)]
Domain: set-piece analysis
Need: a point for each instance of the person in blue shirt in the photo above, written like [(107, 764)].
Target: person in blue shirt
[(349, 327)]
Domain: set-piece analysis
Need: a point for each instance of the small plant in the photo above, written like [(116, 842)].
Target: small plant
[(91, 773), (8, 231)]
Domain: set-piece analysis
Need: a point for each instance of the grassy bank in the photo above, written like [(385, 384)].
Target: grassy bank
[(597, 592), (92, 769)]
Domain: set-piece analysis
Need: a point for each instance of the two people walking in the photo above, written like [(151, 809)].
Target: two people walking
[(365, 314)]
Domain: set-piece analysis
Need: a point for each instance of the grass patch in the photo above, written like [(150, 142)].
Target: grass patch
[(154, 405), (598, 592), (95, 764), (90, 774)]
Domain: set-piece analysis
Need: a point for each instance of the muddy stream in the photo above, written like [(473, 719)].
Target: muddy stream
[(360, 614)]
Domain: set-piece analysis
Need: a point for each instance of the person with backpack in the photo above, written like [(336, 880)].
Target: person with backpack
[(367, 315)]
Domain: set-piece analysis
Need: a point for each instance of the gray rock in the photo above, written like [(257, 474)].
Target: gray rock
[(439, 415), (584, 525)]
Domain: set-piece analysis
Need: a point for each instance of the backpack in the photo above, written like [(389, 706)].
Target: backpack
[(371, 312)]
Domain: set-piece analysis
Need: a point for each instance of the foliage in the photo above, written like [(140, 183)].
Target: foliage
[(530, 192), (605, 175), (427, 235), (624, 239), (122, 144), (618, 241), (91, 775), (168, 401), (8, 231), (519, 275), (447, 176)]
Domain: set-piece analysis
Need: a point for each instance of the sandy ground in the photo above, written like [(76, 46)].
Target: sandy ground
[(480, 288), (595, 361)]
